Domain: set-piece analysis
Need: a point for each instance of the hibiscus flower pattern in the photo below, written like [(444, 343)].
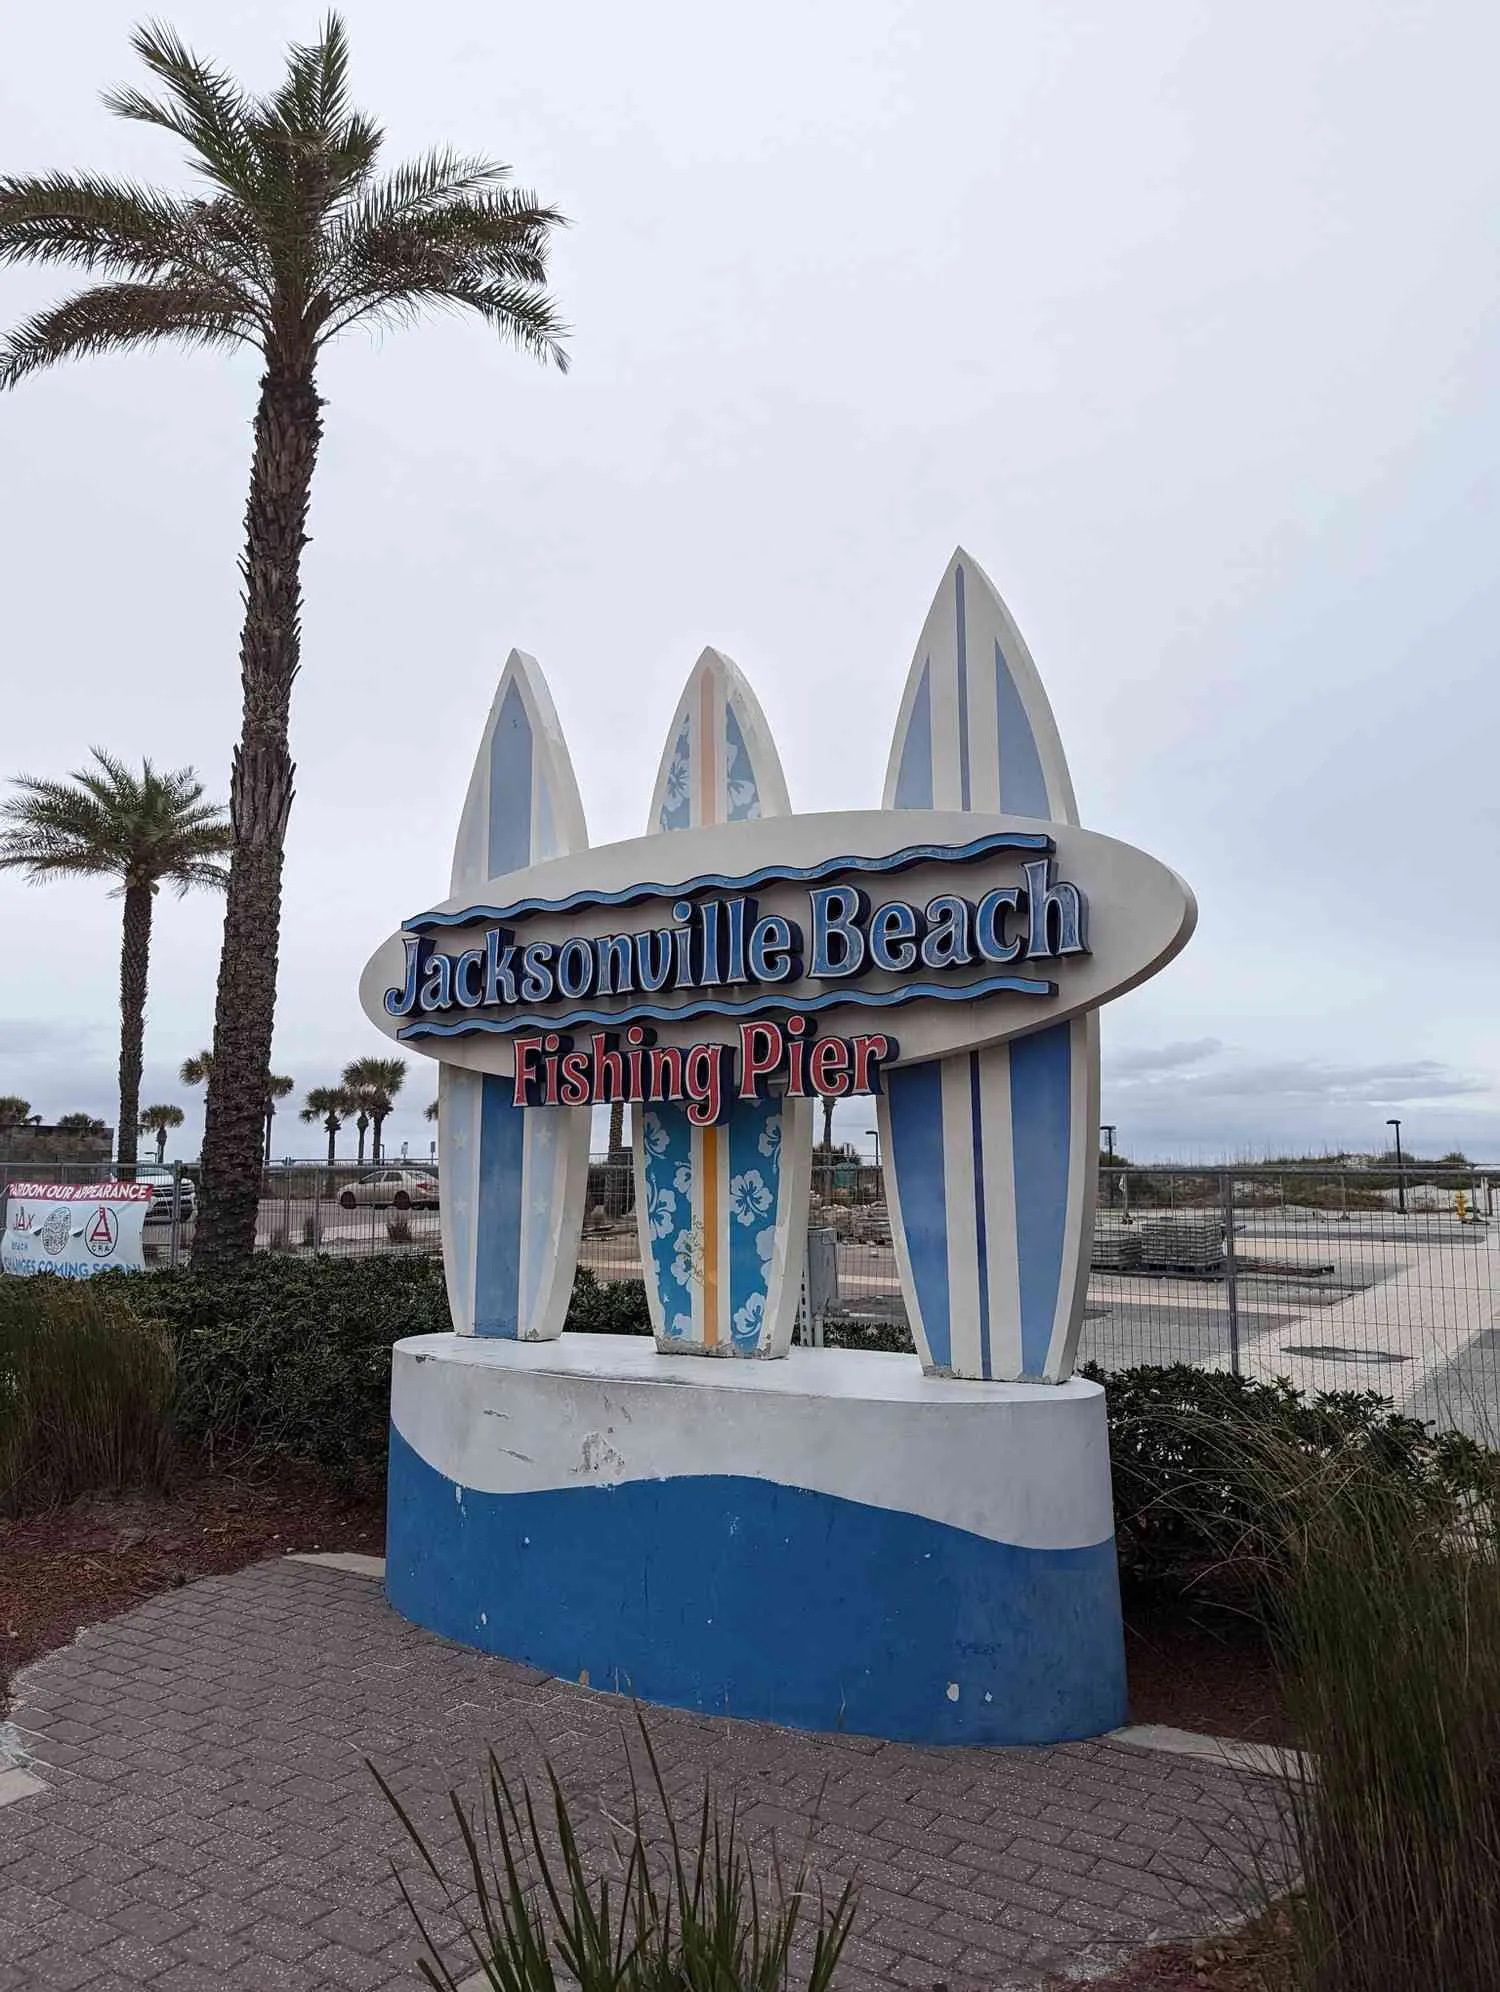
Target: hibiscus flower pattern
[(746, 1324), (661, 1209), (676, 811), (741, 791), (654, 1135), (770, 1139), (749, 1196)]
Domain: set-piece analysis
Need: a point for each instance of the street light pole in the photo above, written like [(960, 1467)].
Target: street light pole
[(1107, 1130), (1400, 1171), (876, 1132)]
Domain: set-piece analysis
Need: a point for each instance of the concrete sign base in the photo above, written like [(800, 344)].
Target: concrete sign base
[(834, 1541)]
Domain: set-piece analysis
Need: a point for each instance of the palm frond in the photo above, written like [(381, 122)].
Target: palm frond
[(91, 223), (117, 318), (417, 187), (519, 313), (106, 821), (205, 108)]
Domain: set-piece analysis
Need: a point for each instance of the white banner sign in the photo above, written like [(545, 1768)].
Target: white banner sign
[(74, 1229)]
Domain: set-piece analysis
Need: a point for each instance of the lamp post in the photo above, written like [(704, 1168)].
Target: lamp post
[(1400, 1172), (876, 1132), (1107, 1130)]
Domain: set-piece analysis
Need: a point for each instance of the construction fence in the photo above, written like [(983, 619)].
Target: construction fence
[(1339, 1279)]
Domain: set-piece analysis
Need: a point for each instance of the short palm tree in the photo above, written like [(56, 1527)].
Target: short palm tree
[(159, 1121), (331, 1105), (14, 1111), (277, 1088), (292, 238), (194, 1071), (146, 830), (197, 1071), (80, 1123), (375, 1082)]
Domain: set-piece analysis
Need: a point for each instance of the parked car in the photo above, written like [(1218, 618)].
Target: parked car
[(407, 1189), (159, 1210)]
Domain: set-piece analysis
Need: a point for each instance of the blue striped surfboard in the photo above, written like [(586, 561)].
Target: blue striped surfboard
[(991, 1156), (722, 1210), (514, 1179)]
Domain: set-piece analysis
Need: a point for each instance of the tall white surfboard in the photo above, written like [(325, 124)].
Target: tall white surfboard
[(514, 1179), (991, 1156), (722, 1210)]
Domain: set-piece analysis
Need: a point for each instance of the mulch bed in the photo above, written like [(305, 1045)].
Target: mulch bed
[(1253, 1959), (1211, 1673), (101, 1555)]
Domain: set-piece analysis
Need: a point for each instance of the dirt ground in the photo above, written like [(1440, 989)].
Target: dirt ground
[(75, 1566)]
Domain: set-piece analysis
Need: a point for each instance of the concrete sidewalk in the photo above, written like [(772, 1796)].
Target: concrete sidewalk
[(207, 1821)]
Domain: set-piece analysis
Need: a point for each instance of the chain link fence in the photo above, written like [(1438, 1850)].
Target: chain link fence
[(1338, 1279)]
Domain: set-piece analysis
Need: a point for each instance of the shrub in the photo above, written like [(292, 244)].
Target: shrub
[(289, 1358), (847, 1332), (86, 1391), (697, 1921), (1186, 1449), (607, 1307)]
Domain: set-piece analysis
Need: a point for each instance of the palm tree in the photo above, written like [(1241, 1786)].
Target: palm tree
[(14, 1111), (277, 1088), (145, 830), (197, 1070), (430, 1111), (375, 1082), (81, 1124), (157, 1121), (293, 238), (331, 1105), (194, 1071)]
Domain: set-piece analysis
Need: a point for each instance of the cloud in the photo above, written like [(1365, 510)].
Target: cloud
[(1164, 1058)]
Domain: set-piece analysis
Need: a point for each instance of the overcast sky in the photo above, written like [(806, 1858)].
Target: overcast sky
[(1181, 318)]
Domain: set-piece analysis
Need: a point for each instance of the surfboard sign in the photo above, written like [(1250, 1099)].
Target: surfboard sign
[(947, 953)]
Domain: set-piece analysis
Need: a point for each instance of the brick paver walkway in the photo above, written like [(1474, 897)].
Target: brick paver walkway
[(209, 1823)]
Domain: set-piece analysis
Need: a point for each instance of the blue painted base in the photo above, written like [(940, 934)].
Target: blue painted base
[(745, 1597)]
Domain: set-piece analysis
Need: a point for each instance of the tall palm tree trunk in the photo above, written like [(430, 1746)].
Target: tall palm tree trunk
[(377, 1123), (135, 960), (161, 1146), (288, 427), (270, 1117)]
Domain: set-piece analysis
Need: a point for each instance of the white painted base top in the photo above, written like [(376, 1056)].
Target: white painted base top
[(1026, 1464)]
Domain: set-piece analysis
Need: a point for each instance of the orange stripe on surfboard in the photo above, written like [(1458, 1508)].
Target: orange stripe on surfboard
[(710, 1155)]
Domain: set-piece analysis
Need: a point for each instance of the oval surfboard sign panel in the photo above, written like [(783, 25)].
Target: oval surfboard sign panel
[(514, 1180), (1140, 914), (721, 1210)]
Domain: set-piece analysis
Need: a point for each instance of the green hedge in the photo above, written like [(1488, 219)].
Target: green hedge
[(1187, 1457)]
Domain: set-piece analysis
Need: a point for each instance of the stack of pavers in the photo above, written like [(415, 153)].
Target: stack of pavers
[(1117, 1246), (1182, 1244)]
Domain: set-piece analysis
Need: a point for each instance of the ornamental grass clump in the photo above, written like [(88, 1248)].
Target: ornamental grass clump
[(1389, 1631), (87, 1387), (1380, 1588), (681, 1912)]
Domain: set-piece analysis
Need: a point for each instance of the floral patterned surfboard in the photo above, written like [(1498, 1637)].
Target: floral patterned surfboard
[(722, 1210)]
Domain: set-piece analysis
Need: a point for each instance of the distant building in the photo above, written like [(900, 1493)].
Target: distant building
[(63, 1154)]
